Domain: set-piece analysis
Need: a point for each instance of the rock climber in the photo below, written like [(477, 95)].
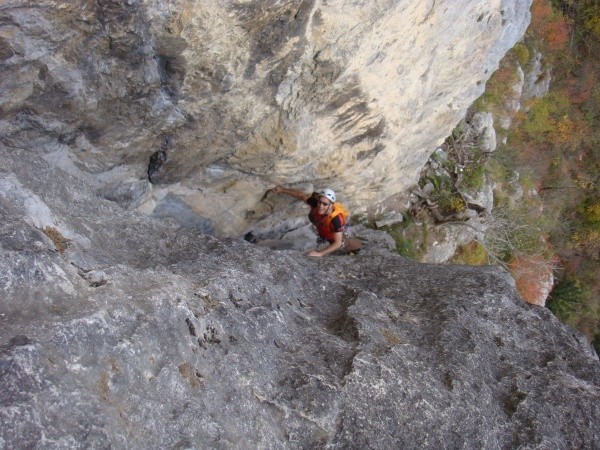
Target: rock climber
[(330, 219)]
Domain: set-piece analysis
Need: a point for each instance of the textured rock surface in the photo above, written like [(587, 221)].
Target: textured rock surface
[(218, 100), (129, 330), (120, 330)]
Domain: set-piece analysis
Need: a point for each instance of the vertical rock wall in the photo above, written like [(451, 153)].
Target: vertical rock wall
[(235, 96)]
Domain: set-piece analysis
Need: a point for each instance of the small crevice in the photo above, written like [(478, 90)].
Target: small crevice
[(157, 161), (209, 337), (511, 402), (344, 326), (191, 327), (429, 13)]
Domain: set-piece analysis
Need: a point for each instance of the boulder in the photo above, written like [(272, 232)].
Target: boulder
[(482, 124)]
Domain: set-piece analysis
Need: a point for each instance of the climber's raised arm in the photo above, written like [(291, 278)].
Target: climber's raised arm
[(329, 218), (293, 192)]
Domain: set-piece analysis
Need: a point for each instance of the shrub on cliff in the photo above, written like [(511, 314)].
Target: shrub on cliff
[(471, 254), (567, 297)]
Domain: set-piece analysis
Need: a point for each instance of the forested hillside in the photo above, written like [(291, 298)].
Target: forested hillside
[(553, 146)]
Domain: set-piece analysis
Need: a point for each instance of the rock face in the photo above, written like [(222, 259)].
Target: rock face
[(124, 331), (130, 129), (214, 102)]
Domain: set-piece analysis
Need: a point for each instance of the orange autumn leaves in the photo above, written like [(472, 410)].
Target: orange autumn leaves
[(533, 277), (549, 25)]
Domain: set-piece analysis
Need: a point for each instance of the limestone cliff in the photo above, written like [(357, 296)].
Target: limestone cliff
[(216, 101), (127, 332), (123, 328)]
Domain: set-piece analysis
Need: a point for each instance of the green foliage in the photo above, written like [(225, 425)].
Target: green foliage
[(498, 88), (584, 16), (410, 237), (590, 211), (445, 195), (473, 176), (404, 246), (545, 115), (471, 254), (586, 235), (522, 54), (566, 298), (442, 182), (450, 203)]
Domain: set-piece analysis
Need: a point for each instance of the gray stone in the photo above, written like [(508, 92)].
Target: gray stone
[(127, 330), (483, 198), (389, 219), (483, 126), (199, 342), (440, 155), (447, 237), (127, 194), (238, 96), (95, 278), (428, 188), (174, 207), (537, 79)]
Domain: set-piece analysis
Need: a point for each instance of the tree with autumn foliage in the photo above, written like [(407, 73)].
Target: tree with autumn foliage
[(553, 147), (561, 132), (548, 26)]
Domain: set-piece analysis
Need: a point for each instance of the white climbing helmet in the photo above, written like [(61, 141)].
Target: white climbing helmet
[(328, 193)]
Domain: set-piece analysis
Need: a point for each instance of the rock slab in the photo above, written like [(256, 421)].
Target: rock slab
[(121, 330)]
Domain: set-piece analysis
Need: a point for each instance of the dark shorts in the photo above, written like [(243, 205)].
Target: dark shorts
[(343, 248)]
